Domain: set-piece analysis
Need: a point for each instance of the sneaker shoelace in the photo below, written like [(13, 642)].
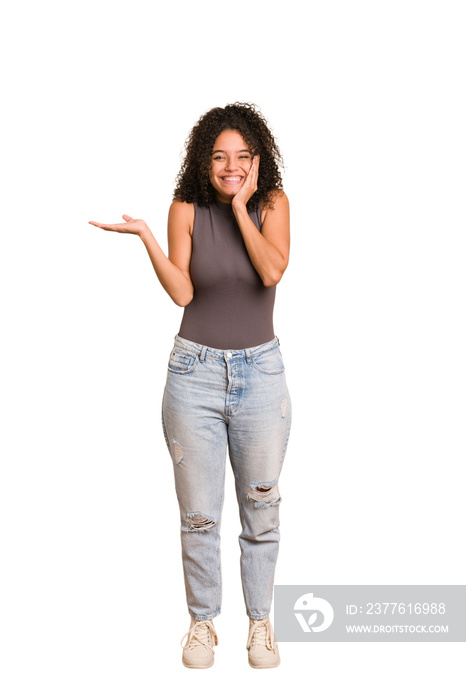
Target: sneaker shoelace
[(202, 632), (261, 633)]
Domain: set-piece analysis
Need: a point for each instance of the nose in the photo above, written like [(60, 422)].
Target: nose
[(230, 165)]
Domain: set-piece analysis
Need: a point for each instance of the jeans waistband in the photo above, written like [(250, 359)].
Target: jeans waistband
[(247, 353)]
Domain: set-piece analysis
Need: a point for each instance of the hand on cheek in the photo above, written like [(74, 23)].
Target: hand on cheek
[(249, 185)]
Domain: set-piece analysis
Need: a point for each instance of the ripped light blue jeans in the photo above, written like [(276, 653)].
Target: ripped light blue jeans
[(213, 399)]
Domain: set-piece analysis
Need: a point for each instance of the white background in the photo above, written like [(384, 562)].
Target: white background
[(367, 102)]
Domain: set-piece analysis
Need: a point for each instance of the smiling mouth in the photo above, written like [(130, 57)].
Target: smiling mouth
[(232, 180)]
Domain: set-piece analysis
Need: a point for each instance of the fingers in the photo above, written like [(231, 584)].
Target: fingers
[(254, 171), (108, 227), (114, 227)]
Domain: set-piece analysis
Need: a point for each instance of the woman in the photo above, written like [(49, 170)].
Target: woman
[(228, 247)]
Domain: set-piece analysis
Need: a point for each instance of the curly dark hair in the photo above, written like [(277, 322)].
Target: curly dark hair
[(193, 181)]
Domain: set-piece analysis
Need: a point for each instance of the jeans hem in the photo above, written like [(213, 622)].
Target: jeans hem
[(204, 618), (252, 616)]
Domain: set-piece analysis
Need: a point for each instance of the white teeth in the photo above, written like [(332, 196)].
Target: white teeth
[(231, 179)]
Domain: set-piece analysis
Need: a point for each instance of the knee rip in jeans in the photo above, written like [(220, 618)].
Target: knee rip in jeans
[(178, 451), (264, 494), (283, 407), (198, 522)]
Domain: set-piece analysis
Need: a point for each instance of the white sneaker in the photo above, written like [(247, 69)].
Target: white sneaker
[(262, 647), (198, 651)]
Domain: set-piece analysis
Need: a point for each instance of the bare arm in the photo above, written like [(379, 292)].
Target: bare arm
[(269, 248), (172, 271)]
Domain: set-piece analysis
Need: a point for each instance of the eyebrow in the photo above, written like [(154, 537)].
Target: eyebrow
[(243, 150)]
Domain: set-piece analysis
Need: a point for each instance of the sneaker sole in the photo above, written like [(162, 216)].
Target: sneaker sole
[(268, 666), (197, 666)]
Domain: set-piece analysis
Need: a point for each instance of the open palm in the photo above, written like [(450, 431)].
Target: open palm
[(135, 226)]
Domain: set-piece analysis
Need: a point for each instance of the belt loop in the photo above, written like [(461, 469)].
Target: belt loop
[(203, 352), (248, 356)]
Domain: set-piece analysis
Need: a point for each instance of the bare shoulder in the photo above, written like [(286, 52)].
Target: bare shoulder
[(279, 205), (181, 215)]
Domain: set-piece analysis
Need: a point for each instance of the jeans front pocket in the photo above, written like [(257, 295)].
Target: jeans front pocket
[(182, 361), (269, 361)]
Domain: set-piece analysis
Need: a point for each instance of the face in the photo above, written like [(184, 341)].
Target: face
[(230, 163)]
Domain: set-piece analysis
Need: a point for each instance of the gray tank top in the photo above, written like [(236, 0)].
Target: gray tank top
[(231, 308)]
